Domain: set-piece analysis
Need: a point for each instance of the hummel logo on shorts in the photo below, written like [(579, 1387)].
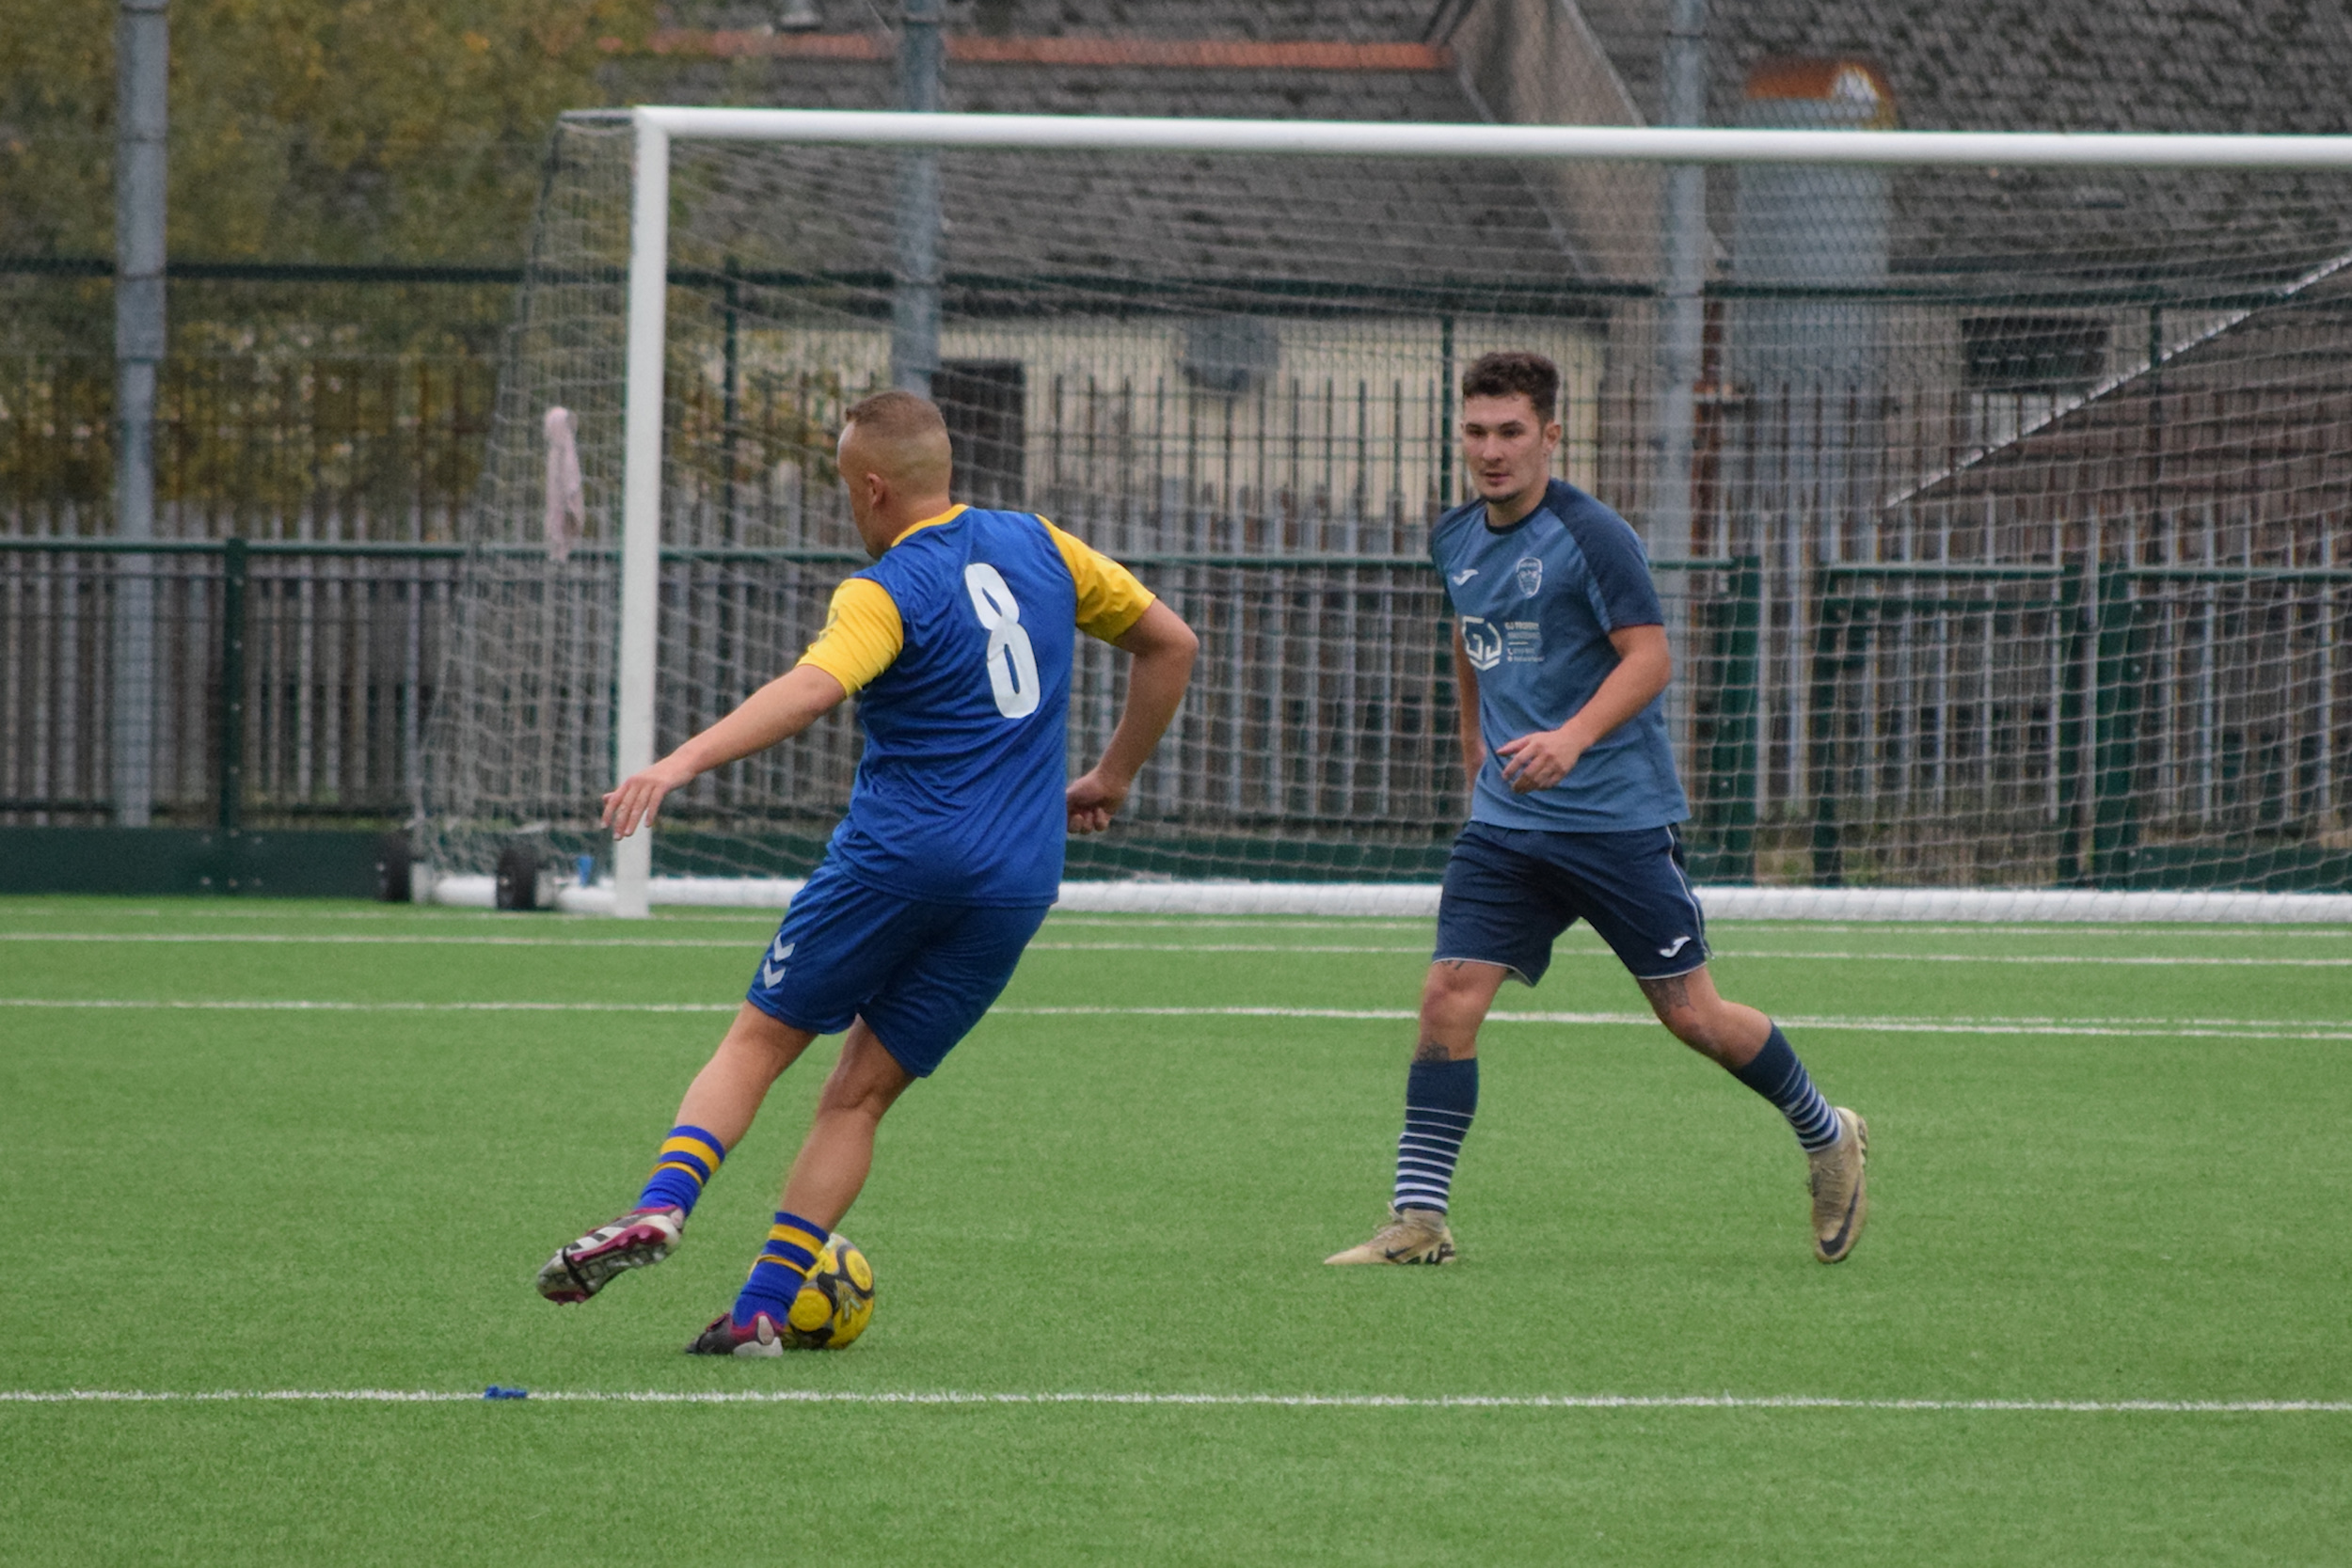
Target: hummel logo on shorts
[(772, 971)]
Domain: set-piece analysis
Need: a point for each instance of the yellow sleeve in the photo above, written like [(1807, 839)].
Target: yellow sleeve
[(862, 634), (1110, 600)]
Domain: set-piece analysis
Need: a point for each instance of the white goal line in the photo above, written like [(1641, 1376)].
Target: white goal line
[(1318, 1401), (1418, 900)]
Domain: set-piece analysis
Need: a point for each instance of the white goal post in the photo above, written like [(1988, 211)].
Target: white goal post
[(656, 129)]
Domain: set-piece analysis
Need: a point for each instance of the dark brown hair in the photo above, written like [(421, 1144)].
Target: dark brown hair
[(1499, 375)]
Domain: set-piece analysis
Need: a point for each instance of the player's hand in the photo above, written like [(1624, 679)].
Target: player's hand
[(1538, 761), (1094, 799), (634, 803)]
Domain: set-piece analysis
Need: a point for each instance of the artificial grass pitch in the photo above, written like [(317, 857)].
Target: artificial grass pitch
[(2115, 1172)]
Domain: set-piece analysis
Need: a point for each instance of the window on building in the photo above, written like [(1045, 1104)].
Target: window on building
[(2020, 371), (985, 403)]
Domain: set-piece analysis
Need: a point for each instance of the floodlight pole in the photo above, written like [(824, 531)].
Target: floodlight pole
[(1682, 313), (914, 297), (142, 87), (640, 503)]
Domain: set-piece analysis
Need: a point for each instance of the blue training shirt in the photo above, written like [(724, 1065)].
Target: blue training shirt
[(1536, 603), (958, 798)]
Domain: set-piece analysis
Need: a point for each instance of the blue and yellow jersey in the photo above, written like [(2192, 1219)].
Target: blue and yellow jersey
[(958, 645)]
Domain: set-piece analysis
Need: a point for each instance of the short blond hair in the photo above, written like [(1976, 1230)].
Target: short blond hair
[(903, 438), (895, 415)]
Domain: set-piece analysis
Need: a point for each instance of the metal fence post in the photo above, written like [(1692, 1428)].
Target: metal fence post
[(232, 616), (1730, 804), (1829, 857), (2072, 625), (2115, 809)]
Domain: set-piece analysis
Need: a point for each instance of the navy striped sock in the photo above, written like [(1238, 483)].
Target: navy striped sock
[(689, 1157), (1439, 1099), (793, 1244), (1777, 1075)]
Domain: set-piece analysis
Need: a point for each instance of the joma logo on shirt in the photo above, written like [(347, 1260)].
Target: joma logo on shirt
[(1482, 642)]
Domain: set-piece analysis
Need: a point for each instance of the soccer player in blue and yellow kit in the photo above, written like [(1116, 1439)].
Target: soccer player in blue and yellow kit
[(957, 643), (1560, 652)]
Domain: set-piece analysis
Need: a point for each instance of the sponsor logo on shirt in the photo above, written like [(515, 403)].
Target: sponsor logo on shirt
[(1523, 641), (1530, 570), (1482, 640)]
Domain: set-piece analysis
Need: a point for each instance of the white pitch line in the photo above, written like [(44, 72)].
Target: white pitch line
[(740, 944), (370, 939), (1260, 923), (1270, 949), (1315, 1401), (2105, 959), (2005, 929), (282, 1005), (1798, 954), (2125, 1028)]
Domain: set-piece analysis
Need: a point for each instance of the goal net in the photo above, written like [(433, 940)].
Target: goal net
[(1999, 511)]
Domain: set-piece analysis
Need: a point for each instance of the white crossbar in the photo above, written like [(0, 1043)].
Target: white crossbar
[(1595, 143)]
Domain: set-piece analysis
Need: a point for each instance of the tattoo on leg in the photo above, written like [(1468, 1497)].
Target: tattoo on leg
[(1668, 996), (1429, 1051)]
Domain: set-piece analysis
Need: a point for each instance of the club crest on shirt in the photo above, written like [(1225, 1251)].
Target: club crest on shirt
[(1530, 570), (1482, 640)]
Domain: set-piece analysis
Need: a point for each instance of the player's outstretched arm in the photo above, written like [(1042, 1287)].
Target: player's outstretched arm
[(1644, 665), (777, 711), (1163, 647)]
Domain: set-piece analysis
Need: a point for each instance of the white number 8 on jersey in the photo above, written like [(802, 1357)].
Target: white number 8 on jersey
[(1012, 662)]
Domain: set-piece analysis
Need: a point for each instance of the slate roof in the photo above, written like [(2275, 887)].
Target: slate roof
[(2265, 65), (2014, 65), (1163, 217)]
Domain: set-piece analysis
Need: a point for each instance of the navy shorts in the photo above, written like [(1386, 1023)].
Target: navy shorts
[(920, 975), (1510, 892)]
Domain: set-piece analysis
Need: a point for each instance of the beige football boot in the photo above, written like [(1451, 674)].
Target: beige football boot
[(1411, 1236), (1841, 1205)]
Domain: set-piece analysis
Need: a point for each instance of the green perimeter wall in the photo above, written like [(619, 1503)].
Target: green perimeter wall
[(295, 864)]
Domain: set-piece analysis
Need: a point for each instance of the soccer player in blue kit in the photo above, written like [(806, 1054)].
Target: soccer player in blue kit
[(1560, 652), (957, 644)]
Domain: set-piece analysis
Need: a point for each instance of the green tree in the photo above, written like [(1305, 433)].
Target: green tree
[(364, 131)]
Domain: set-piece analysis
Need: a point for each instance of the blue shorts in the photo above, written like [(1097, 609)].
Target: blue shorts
[(920, 975), (1510, 892)]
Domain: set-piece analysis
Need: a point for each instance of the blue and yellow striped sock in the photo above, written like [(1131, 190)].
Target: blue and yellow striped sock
[(689, 1157), (793, 1244)]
